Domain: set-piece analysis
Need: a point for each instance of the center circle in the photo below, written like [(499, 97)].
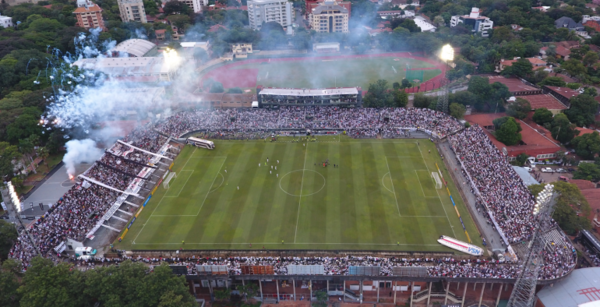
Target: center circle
[(296, 180)]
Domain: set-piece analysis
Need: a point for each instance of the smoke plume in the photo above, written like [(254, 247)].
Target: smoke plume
[(79, 151)]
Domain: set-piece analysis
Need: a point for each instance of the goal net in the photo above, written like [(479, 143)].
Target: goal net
[(169, 177), (437, 179)]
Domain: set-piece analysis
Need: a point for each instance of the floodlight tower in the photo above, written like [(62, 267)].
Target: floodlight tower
[(523, 294), (446, 55)]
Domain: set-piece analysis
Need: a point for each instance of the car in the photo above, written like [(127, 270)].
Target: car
[(563, 178), (547, 170), (570, 169), (527, 168), (561, 170)]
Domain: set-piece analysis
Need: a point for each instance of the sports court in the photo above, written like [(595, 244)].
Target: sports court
[(379, 196)]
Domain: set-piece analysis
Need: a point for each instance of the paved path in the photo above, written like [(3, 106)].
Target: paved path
[(494, 242)]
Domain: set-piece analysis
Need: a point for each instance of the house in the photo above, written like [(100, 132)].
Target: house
[(563, 49), (89, 15), (241, 50), (477, 23), (541, 8), (535, 62), (569, 23), (5, 21), (424, 24), (160, 34), (515, 27), (515, 86), (228, 56), (326, 47), (592, 24)]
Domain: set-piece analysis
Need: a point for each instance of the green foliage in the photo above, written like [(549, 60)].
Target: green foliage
[(562, 130), (573, 86), (542, 116), (378, 95), (587, 171), (522, 68), (457, 110), (322, 298), (10, 274), (587, 146), (552, 81), (465, 98), (235, 90), (176, 7), (216, 87), (508, 133), (223, 295), (8, 236), (249, 290), (572, 210), (489, 96), (421, 101), (400, 98), (582, 110), (8, 153), (518, 109)]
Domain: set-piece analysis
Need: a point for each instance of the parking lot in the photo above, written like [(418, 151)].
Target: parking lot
[(550, 177)]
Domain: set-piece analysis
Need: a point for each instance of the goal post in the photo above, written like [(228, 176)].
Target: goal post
[(169, 177), (437, 180)]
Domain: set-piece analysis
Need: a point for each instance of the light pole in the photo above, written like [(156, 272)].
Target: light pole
[(446, 55)]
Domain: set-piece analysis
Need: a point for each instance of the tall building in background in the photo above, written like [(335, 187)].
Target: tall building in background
[(311, 4), (5, 21), (89, 15), (474, 21), (132, 10), (195, 5), (279, 11), (329, 17)]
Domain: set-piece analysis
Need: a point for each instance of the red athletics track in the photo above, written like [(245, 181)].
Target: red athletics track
[(248, 77)]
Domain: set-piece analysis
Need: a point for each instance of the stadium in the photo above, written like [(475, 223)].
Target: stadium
[(347, 200)]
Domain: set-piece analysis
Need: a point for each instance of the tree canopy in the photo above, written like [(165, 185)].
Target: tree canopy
[(508, 133), (582, 110), (587, 146)]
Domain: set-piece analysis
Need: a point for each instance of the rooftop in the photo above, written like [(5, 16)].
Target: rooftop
[(326, 45), (534, 141), (544, 101), (563, 91), (94, 8), (310, 92), (525, 176), (513, 84), (135, 46), (128, 66), (578, 288)]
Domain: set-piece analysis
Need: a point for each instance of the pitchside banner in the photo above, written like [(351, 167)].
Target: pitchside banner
[(131, 223), (148, 199)]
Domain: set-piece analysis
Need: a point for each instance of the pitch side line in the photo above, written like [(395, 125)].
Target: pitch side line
[(273, 243), (161, 199), (301, 186), (438, 193), (393, 188)]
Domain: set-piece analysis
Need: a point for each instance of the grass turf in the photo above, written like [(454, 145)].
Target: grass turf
[(337, 73), (381, 194)]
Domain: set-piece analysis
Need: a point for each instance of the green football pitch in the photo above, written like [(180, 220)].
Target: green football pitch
[(381, 197)]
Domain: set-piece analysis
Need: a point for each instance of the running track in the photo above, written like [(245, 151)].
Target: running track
[(248, 77)]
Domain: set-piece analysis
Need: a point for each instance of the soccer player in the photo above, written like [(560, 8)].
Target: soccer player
[(277, 161), (258, 164), (277, 175), (270, 172)]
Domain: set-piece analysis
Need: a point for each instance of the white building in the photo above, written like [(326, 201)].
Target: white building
[(424, 25), (195, 5), (5, 21), (478, 23), (279, 11), (132, 10), (133, 69)]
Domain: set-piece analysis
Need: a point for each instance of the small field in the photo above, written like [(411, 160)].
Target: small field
[(322, 72), (381, 197)]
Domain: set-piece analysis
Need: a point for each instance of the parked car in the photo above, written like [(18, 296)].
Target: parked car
[(561, 170), (563, 178), (547, 170), (570, 169)]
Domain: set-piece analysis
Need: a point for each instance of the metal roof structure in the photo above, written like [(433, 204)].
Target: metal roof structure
[(310, 92), (525, 176), (581, 287), (140, 66), (135, 47)]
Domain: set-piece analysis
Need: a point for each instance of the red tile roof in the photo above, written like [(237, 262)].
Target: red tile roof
[(583, 184), (535, 143), (592, 24), (544, 101), (583, 131), (94, 8), (563, 91), (513, 84), (216, 28), (160, 31)]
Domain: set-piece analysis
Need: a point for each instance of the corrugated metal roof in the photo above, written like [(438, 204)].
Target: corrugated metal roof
[(582, 286), (135, 46)]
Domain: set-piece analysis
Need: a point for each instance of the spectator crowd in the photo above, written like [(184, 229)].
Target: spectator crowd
[(501, 192)]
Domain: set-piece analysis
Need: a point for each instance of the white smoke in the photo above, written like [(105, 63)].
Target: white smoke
[(79, 151)]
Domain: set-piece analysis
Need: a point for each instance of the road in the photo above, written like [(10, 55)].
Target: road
[(299, 18)]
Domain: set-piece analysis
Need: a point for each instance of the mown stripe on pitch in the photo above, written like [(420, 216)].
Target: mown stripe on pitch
[(376, 167), (397, 228), (262, 182), (332, 198), (363, 216), (403, 183), (348, 212), (316, 204)]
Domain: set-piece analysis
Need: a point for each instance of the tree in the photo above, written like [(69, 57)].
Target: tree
[(10, 274), (582, 111), (235, 90), (248, 290), (27, 149), (574, 67), (587, 171), (175, 7), (421, 101), (223, 295), (519, 109), (322, 298), (43, 153), (406, 83), (400, 98), (572, 210), (8, 153), (396, 85), (542, 116), (509, 132), (562, 129), (24, 126), (522, 68), (457, 110), (590, 58), (216, 87), (8, 237), (378, 95), (553, 81), (180, 20), (587, 146)]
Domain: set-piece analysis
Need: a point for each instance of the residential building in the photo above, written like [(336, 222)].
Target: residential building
[(563, 94), (195, 5), (326, 47), (543, 9), (135, 47), (132, 10), (161, 34), (424, 24), (535, 62), (478, 24), (89, 15), (5, 21), (545, 101), (569, 23), (329, 17), (311, 4), (263, 11), (241, 50)]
